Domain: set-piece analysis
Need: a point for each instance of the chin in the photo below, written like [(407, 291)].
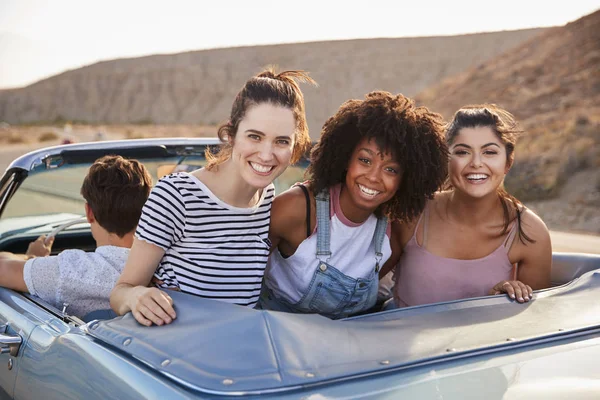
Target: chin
[(260, 182), (370, 205), (480, 194)]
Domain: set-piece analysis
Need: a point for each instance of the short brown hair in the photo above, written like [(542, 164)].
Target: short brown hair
[(116, 189), (413, 135), (279, 89)]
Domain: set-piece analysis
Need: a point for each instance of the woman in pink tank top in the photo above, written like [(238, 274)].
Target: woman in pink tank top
[(475, 238)]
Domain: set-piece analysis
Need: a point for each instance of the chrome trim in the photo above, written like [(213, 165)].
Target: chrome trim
[(9, 343), (8, 188), (34, 158)]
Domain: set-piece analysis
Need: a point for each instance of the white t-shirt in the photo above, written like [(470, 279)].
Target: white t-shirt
[(82, 279), (352, 249)]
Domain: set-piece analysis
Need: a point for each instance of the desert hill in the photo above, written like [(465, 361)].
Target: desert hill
[(552, 85), (198, 87), (556, 70)]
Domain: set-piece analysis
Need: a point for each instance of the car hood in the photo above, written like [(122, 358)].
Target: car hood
[(219, 348)]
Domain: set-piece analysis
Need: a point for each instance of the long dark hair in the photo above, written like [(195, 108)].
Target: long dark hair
[(506, 128)]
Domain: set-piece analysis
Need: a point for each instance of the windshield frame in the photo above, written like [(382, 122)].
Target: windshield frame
[(87, 153), (10, 182)]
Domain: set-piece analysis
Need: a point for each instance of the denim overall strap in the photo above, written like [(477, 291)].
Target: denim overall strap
[(378, 237), (331, 292), (323, 227)]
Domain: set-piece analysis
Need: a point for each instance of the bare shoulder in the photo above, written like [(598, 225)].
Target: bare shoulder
[(440, 199), (537, 251), (290, 204), (402, 231), (288, 211), (534, 226), (288, 216), (438, 205), (534, 258)]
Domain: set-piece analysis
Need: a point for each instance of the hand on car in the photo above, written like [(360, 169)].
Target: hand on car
[(41, 247), (152, 306), (516, 290)]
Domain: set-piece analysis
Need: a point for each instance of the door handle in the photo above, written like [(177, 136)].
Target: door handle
[(10, 344)]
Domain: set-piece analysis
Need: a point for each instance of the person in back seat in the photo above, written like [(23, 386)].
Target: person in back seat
[(115, 190)]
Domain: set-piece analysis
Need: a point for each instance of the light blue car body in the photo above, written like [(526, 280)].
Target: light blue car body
[(481, 348)]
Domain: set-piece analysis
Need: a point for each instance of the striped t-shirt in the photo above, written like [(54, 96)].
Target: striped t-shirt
[(212, 249)]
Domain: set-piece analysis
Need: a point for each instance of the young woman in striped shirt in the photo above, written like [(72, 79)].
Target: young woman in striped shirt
[(206, 232)]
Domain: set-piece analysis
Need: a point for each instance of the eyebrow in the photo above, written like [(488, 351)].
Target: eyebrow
[(371, 152), (469, 147), (367, 150), (263, 134)]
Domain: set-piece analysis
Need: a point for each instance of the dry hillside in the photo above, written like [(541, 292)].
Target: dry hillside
[(552, 85), (198, 87)]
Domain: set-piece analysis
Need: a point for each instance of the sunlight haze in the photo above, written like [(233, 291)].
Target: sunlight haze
[(39, 39)]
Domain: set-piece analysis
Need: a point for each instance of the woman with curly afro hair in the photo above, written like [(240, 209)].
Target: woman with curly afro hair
[(378, 159)]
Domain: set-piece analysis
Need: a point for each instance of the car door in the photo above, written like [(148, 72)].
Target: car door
[(57, 359), (16, 324)]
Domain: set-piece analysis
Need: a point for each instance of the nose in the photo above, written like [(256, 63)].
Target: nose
[(476, 161), (374, 174), (265, 152)]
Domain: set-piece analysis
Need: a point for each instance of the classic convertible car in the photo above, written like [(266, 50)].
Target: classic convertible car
[(487, 347)]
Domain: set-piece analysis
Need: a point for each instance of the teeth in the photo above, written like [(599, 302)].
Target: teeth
[(368, 191), (476, 176), (261, 168)]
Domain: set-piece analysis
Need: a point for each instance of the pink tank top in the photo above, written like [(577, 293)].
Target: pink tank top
[(423, 278)]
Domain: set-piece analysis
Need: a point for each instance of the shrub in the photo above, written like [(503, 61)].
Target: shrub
[(582, 120), (130, 134), (15, 138), (47, 136)]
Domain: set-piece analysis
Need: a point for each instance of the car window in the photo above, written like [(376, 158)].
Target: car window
[(48, 192), (51, 191)]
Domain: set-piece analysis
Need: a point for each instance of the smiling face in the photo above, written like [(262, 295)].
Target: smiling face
[(373, 178), (478, 161), (264, 143)]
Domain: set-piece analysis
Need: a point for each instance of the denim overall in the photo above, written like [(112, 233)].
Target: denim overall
[(331, 293)]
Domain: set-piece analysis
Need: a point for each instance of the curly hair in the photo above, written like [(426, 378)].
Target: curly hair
[(116, 189), (413, 135), (507, 129), (280, 89)]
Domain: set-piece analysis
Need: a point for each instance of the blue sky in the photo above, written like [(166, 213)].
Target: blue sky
[(40, 38)]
